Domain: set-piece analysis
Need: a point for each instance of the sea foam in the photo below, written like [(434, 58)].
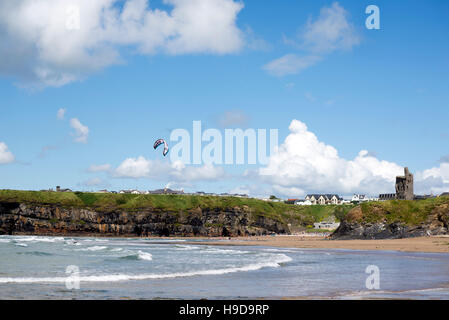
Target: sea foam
[(274, 263)]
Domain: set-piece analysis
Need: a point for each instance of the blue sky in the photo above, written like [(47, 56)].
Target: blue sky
[(385, 92)]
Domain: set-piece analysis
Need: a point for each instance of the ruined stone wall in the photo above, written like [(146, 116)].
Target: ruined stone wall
[(404, 186)]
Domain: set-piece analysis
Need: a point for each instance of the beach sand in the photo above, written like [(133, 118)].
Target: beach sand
[(423, 244)]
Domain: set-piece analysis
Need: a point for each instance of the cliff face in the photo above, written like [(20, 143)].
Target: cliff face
[(20, 218), (356, 225)]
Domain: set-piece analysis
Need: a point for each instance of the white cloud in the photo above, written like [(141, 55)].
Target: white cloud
[(52, 43), (175, 172), (99, 168), (303, 164), (134, 168), (308, 165), (434, 180), (61, 113), (290, 64), (81, 131), (331, 31), (180, 172), (6, 156)]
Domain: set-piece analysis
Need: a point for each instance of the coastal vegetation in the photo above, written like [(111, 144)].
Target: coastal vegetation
[(408, 212), (178, 204)]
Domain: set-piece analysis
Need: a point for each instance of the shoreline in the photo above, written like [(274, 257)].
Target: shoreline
[(435, 244), (432, 244)]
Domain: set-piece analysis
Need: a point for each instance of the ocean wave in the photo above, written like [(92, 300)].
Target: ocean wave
[(221, 251), (139, 255), (38, 239), (21, 244), (94, 248), (275, 263), (186, 247)]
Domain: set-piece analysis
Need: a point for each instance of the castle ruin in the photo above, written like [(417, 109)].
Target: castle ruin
[(404, 186)]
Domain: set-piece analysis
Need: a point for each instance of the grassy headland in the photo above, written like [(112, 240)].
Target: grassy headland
[(108, 202), (409, 213)]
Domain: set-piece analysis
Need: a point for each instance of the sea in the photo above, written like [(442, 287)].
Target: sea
[(39, 267)]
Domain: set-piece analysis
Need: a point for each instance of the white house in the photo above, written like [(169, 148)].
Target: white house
[(358, 197), (323, 199), (362, 198), (303, 202)]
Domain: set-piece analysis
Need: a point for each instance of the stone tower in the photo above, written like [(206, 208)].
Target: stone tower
[(404, 186)]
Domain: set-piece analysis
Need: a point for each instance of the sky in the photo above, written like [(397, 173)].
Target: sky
[(86, 87)]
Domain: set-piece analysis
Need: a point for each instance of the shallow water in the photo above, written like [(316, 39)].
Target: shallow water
[(33, 267)]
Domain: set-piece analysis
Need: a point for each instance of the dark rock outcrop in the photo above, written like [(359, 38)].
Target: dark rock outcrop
[(354, 227), (20, 218)]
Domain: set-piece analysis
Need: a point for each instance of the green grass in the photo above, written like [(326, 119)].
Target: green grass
[(177, 204), (408, 212)]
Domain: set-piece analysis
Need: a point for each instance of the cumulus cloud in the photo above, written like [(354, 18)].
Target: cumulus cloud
[(178, 172), (305, 164), (81, 131), (61, 113), (302, 164), (99, 168), (6, 156), (331, 31), (52, 43), (134, 168), (434, 180)]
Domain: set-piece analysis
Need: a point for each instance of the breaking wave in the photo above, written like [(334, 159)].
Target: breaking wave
[(276, 262), (139, 255)]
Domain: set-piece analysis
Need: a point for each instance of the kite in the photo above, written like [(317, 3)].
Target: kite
[(158, 143)]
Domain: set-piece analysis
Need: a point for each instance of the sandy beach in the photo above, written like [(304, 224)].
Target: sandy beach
[(422, 244)]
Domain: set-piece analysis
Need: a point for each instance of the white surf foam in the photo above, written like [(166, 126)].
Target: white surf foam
[(275, 263), (222, 251), (186, 247), (145, 256), (21, 244), (94, 248), (38, 239)]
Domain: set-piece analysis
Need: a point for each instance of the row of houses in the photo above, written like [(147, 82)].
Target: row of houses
[(323, 199), (317, 199), (179, 192)]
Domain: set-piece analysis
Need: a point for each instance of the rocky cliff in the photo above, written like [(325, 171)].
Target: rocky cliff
[(22, 218), (395, 220)]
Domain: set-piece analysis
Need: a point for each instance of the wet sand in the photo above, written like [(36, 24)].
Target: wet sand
[(423, 244)]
